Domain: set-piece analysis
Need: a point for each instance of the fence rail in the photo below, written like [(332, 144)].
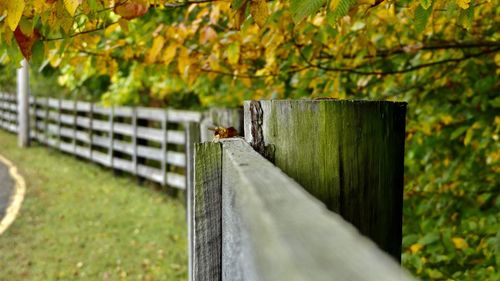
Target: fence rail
[(147, 142), (253, 222), (8, 112)]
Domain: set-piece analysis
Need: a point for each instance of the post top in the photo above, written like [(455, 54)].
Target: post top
[(332, 100)]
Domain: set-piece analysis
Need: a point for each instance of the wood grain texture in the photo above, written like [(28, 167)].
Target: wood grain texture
[(348, 154), (274, 230), (192, 137), (206, 252)]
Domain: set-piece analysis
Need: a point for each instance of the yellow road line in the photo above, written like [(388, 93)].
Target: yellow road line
[(16, 198)]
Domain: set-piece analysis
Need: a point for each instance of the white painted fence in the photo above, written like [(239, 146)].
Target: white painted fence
[(147, 142)]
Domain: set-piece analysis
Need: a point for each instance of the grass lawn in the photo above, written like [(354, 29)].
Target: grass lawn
[(79, 222)]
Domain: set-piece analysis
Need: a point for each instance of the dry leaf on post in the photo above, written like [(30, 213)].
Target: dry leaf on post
[(224, 133)]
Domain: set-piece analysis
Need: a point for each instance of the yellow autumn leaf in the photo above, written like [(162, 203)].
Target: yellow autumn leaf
[(169, 54), (128, 53), (14, 13), (207, 34), (233, 53), (459, 243), (497, 59), (183, 62), (123, 24), (71, 6), (259, 11), (67, 24), (239, 16), (464, 4), (334, 4), (447, 119), (415, 248), (158, 43)]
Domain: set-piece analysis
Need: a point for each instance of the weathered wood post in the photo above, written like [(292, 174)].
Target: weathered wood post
[(192, 130), (206, 251), (23, 90), (348, 154)]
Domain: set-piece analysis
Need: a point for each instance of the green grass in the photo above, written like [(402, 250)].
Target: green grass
[(79, 222)]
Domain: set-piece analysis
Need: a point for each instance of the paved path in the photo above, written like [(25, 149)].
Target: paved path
[(6, 189)]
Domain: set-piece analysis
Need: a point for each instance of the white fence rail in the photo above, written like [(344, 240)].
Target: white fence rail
[(8, 112), (147, 142)]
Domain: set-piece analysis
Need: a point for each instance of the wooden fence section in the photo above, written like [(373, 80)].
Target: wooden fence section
[(8, 112), (253, 222), (147, 142)]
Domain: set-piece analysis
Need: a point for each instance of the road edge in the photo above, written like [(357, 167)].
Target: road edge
[(16, 198)]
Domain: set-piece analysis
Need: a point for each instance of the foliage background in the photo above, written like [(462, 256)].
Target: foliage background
[(442, 57)]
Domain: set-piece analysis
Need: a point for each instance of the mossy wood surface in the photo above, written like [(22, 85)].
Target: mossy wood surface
[(206, 254), (348, 154)]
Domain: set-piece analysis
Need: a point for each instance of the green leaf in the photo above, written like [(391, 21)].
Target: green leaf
[(301, 9), (458, 132), (237, 4), (338, 9), (422, 17), (233, 53), (410, 239), (495, 102), (466, 17), (429, 238), (468, 136), (425, 4), (37, 53), (434, 273)]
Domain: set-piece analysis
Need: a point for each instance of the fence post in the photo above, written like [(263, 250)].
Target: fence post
[(192, 130), (206, 207), (46, 122), (59, 123), (75, 126), (1, 109), (111, 135), (34, 120), (348, 154), (23, 129), (134, 139), (164, 147), (91, 129)]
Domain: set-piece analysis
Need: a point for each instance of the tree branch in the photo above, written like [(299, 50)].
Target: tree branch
[(415, 48), (80, 33), (400, 71)]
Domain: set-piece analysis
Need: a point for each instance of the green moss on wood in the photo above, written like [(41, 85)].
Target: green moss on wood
[(348, 154)]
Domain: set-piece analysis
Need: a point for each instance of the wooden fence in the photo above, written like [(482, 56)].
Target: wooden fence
[(253, 222), (313, 192), (8, 112), (147, 142), (259, 208)]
